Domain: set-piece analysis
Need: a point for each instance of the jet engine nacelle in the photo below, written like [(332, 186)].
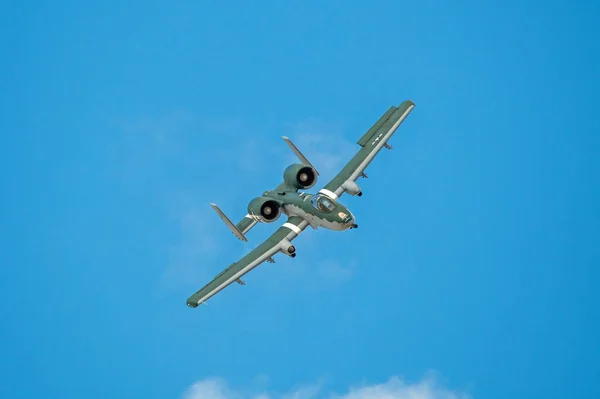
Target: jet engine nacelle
[(264, 209), (300, 176)]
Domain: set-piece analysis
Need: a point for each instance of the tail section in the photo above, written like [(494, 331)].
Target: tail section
[(246, 224), (300, 156), (242, 227)]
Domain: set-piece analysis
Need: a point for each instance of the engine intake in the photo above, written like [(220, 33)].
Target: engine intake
[(264, 209), (300, 176)]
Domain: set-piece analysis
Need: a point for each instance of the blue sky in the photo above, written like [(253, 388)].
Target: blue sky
[(475, 268)]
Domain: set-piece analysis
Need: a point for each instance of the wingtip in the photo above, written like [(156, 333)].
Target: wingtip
[(191, 304), (406, 103)]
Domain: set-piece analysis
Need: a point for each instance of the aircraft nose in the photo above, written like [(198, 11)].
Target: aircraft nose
[(345, 216), (348, 220)]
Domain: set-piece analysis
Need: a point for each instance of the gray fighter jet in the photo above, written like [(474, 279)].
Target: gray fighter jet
[(302, 209)]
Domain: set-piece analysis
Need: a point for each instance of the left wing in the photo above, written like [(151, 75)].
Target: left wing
[(371, 143), (278, 241)]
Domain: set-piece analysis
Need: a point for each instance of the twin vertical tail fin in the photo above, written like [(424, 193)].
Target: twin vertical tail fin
[(237, 232), (248, 222), (300, 156)]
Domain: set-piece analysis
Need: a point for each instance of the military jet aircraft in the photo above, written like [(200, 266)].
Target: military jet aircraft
[(302, 209)]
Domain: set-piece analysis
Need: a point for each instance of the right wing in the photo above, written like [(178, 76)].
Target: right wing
[(371, 143), (275, 243)]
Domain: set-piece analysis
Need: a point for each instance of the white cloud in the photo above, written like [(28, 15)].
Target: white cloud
[(304, 391), (394, 388), (210, 389)]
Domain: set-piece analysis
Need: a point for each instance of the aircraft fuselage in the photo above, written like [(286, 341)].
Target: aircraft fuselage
[(318, 209)]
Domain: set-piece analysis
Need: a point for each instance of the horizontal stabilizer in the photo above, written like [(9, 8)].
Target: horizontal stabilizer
[(246, 224), (300, 156), (229, 224)]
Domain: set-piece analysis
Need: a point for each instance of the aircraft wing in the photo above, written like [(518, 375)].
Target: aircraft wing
[(278, 241), (371, 143)]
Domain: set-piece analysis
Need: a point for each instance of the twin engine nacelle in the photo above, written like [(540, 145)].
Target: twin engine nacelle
[(264, 209), (300, 176), (268, 210)]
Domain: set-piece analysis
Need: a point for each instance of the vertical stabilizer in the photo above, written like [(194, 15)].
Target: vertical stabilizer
[(229, 224), (300, 156)]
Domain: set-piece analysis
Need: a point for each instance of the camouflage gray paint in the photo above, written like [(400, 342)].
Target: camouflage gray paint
[(303, 209)]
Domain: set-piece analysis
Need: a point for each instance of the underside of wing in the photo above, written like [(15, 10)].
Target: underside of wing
[(371, 142), (278, 241)]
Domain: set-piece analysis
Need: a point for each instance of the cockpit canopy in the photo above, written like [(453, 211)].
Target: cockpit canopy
[(322, 203)]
